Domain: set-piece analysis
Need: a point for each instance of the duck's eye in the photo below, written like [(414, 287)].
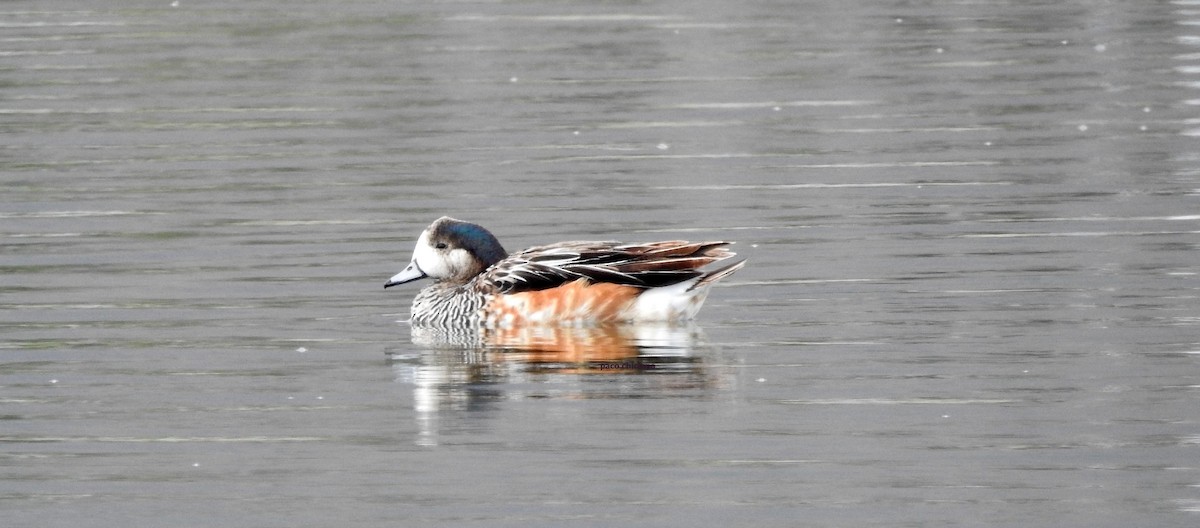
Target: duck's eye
[(440, 245)]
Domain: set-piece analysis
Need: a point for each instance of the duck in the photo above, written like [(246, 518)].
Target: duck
[(477, 283)]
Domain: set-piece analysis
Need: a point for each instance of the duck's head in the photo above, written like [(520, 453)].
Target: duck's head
[(451, 250)]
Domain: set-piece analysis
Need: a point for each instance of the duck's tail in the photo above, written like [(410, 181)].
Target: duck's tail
[(709, 278)]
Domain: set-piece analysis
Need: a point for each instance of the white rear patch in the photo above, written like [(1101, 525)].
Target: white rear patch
[(669, 303)]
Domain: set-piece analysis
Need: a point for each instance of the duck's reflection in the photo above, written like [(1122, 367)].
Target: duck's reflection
[(471, 369)]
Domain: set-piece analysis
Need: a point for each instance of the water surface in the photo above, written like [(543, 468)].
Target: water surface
[(971, 299)]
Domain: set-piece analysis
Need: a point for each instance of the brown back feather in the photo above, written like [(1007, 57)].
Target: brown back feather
[(648, 265)]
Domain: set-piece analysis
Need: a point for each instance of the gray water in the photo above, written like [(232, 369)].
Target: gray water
[(972, 230)]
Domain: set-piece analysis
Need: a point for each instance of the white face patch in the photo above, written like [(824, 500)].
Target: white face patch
[(441, 263), (428, 259)]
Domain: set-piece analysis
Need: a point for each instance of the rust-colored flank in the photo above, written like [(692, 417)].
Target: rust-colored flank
[(579, 300)]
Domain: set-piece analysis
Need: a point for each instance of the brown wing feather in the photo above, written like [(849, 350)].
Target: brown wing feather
[(639, 265), (682, 248), (677, 264)]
